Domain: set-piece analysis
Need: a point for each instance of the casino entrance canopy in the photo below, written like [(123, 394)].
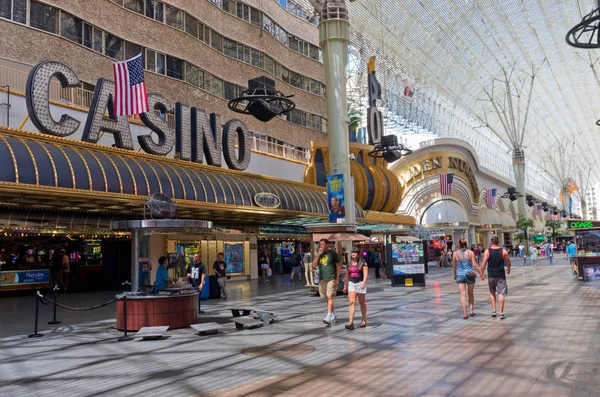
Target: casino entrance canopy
[(44, 172)]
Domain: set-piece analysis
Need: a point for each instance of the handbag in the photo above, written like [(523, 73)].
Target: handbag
[(471, 274), (269, 272)]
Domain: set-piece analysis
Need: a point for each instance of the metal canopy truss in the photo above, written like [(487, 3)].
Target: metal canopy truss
[(450, 52)]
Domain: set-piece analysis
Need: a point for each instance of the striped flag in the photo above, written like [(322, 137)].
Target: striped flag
[(446, 183), (131, 96), (490, 197), (537, 210)]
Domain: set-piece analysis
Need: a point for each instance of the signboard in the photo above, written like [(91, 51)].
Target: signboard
[(281, 229), (335, 195), (267, 200), (406, 258), (591, 273), (234, 257), (197, 135), (578, 225), (21, 277)]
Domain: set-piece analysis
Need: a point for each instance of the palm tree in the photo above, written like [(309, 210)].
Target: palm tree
[(554, 224), (524, 224)]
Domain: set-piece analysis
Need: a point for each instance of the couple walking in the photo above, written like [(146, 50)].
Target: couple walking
[(466, 269)]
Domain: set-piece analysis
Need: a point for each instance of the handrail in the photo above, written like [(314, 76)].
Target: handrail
[(79, 97)]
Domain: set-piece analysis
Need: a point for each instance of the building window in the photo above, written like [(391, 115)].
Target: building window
[(174, 67), (192, 74), (269, 65), (206, 37), (132, 50), (88, 31), (293, 43), (71, 28), (255, 18), (216, 41), (14, 9), (240, 52), (285, 75), (255, 58), (173, 17), (316, 122), (314, 87), (230, 90), (98, 40), (42, 16), (191, 25), (314, 52), (135, 5), (246, 54), (230, 48), (113, 47), (295, 80), (155, 61), (229, 6), (217, 87), (155, 10)]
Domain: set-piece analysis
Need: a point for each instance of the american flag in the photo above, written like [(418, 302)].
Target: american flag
[(490, 197), (537, 210), (131, 96), (446, 183)]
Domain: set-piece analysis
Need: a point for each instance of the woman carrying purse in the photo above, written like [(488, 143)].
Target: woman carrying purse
[(465, 266)]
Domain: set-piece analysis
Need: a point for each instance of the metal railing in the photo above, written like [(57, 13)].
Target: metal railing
[(82, 98)]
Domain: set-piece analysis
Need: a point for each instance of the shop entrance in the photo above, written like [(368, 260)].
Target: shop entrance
[(280, 254)]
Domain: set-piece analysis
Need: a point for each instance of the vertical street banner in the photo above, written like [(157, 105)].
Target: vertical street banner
[(335, 195)]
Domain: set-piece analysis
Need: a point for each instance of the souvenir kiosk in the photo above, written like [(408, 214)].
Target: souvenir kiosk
[(587, 241), (177, 304), (406, 262)]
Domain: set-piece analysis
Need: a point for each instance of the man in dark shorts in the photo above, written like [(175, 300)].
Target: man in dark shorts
[(495, 258), (438, 256)]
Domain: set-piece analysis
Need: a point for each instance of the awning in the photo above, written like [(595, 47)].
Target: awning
[(339, 237), (408, 239), (44, 172)]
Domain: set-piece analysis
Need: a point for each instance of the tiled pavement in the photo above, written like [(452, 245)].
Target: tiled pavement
[(416, 344)]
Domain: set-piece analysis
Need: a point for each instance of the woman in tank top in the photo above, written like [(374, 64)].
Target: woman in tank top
[(355, 283), (465, 272)]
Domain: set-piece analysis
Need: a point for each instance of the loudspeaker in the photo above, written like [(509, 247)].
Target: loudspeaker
[(260, 109), (391, 155)]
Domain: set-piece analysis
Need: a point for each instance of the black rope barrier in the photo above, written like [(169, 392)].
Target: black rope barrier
[(125, 338), (35, 327), (54, 320), (42, 298)]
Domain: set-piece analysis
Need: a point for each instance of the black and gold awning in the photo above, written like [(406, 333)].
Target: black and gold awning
[(38, 171)]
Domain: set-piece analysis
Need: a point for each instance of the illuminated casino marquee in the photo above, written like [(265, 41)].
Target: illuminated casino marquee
[(196, 135)]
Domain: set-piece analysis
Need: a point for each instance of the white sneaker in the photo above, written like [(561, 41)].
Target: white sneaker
[(327, 319), (333, 317)]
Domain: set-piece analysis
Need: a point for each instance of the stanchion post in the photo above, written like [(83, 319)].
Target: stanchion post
[(125, 337), (37, 311), (53, 322)]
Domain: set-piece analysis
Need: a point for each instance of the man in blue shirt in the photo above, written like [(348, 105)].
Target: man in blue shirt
[(162, 274), (571, 251)]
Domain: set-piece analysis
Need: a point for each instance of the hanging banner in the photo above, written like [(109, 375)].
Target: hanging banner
[(234, 257), (335, 194)]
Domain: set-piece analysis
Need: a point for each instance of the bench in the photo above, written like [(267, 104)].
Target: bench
[(256, 313), (207, 328), (148, 333), (246, 322), (244, 311)]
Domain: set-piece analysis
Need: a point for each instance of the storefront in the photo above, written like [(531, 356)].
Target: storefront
[(587, 241)]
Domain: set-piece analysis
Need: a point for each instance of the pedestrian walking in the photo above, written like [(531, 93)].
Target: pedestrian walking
[(533, 251), (220, 268), (571, 251), (477, 253), (330, 267), (265, 268), (496, 258), (465, 268), (307, 259), (521, 250), (355, 284), (196, 272), (296, 266)]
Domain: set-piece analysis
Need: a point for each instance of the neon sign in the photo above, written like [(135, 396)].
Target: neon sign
[(582, 225)]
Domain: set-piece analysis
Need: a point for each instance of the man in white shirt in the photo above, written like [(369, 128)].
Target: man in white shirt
[(521, 250)]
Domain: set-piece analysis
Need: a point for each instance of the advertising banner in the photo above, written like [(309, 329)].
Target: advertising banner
[(335, 195), (234, 257), (24, 277)]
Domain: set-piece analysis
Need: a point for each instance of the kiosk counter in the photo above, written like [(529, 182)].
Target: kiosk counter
[(587, 241)]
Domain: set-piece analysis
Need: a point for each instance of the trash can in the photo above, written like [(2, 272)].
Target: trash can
[(215, 292), (205, 291)]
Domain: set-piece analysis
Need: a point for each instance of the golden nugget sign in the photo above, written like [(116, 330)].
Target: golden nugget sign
[(196, 135), (419, 170)]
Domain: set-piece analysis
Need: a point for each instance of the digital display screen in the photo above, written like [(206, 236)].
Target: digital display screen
[(407, 258)]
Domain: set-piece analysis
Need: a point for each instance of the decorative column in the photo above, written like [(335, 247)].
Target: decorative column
[(334, 36), (565, 197), (519, 170)]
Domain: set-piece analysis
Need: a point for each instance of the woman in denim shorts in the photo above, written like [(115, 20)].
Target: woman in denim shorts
[(465, 268), (355, 283)]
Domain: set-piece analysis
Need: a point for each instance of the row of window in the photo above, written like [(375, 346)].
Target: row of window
[(297, 10), (53, 20), (176, 18)]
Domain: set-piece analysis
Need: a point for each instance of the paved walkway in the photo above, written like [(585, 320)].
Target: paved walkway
[(416, 344)]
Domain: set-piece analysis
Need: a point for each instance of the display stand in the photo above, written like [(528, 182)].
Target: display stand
[(406, 263)]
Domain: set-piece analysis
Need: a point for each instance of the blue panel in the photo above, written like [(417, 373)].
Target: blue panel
[(81, 176), (24, 161), (177, 187), (320, 168), (7, 168), (126, 178), (387, 188), (210, 195), (95, 171), (199, 190), (188, 184), (370, 187), (112, 178), (154, 187), (44, 165), (359, 158), (164, 181), (140, 181), (232, 186)]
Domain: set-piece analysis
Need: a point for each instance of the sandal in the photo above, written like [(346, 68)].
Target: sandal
[(465, 317), (473, 313), (363, 324), (350, 326)]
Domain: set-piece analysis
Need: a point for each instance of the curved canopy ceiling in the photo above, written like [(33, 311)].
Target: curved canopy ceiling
[(444, 211)]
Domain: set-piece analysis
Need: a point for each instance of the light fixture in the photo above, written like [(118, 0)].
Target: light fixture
[(545, 206), (512, 194), (389, 149), (530, 200), (586, 33), (262, 100)]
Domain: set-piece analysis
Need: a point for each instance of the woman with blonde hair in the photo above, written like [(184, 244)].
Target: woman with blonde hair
[(465, 266), (355, 283)]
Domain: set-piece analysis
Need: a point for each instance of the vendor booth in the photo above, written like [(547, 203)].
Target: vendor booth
[(587, 241)]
